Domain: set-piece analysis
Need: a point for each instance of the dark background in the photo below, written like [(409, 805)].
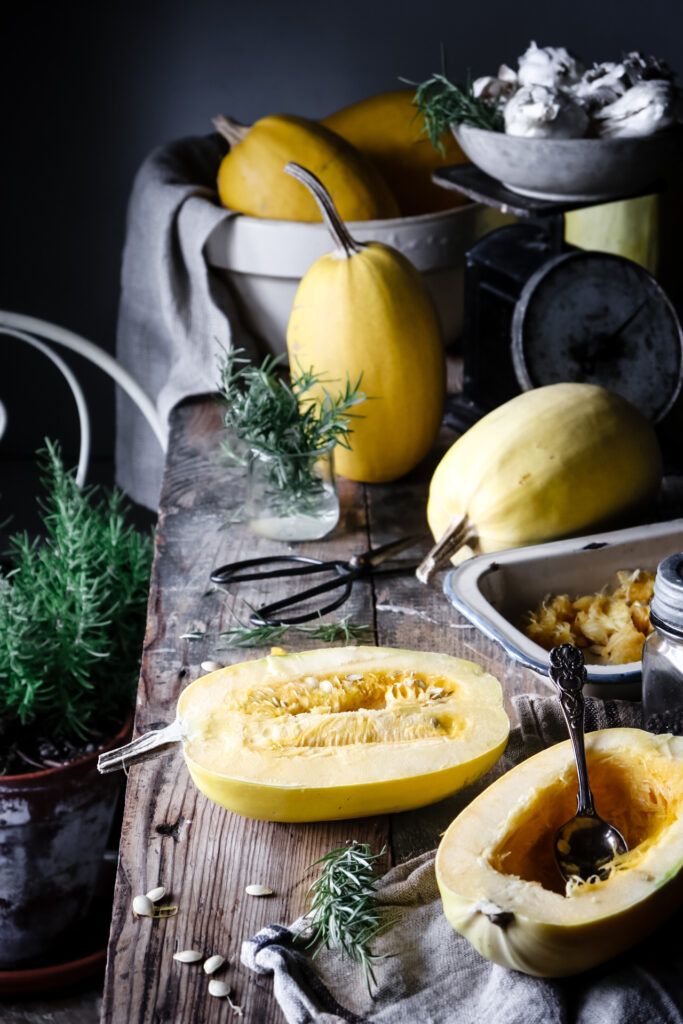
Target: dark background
[(90, 88)]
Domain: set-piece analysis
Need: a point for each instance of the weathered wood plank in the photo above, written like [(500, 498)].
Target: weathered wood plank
[(172, 835)]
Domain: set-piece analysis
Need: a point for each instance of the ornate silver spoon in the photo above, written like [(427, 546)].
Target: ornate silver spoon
[(585, 845)]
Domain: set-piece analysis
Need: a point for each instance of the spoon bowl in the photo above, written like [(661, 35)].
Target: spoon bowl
[(586, 845)]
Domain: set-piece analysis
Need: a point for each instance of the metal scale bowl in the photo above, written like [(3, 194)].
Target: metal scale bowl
[(538, 311)]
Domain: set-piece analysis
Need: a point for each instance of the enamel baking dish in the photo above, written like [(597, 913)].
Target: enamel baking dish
[(493, 591)]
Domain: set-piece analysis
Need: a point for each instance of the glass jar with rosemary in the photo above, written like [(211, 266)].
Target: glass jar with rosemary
[(284, 432)]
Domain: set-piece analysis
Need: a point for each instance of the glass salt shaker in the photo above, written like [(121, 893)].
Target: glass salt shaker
[(663, 651)]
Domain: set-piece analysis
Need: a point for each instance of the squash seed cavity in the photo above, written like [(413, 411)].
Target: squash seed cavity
[(342, 710)]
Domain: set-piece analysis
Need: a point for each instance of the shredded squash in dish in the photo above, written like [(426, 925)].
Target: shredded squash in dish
[(610, 626)]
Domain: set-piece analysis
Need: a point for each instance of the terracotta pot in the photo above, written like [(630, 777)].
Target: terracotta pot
[(54, 827)]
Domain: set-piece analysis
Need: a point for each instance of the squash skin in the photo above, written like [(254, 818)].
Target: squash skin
[(546, 934), (628, 228), (250, 178), (366, 779), (370, 313), (336, 803), (549, 463), (387, 128)]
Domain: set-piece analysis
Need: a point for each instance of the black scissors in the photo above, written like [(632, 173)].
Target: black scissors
[(361, 566)]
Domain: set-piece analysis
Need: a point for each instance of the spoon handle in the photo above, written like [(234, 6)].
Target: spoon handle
[(568, 672), (151, 744)]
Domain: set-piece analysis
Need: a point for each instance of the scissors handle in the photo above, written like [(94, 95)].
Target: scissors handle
[(265, 613), (303, 566), (345, 579)]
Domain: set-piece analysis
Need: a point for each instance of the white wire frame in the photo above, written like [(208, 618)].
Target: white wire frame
[(24, 328)]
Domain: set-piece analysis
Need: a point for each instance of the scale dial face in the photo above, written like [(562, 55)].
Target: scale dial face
[(600, 319)]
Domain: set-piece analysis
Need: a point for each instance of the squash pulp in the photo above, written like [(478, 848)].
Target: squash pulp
[(340, 733), (495, 866)]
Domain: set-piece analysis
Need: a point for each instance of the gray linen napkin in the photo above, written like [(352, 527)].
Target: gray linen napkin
[(436, 977), (176, 315)]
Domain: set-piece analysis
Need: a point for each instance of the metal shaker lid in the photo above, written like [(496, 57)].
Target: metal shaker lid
[(667, 600)]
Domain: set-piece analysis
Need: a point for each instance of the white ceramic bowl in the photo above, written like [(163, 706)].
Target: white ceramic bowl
[(493, 591), (572, 169), (264, 260)]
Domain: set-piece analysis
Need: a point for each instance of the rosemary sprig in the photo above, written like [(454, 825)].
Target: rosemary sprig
[(442, 103), (344, 913), (251, 636), (260, 635), (344, 630), (279, 418)]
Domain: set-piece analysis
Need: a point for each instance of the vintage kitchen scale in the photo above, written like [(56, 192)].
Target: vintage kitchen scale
[(538, 311)]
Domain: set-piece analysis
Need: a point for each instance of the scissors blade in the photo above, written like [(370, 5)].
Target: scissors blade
[(375, 556)]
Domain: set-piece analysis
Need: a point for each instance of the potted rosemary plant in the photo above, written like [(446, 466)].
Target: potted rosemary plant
[(72, 612)]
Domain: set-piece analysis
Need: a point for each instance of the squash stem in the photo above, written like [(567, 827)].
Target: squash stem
[(335, 224), (231, 130), (460, 532)]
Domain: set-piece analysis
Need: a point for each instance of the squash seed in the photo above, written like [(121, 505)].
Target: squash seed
[(352, 678), (143, 906), (218, 988), (258, 890), (213, 963), (210, 666), (156, 894), (326, 686), (188, 956)]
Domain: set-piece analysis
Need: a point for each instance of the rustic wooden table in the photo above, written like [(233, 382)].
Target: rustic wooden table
[(172, 835)]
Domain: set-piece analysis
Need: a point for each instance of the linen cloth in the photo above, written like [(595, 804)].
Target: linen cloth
[(176, 315), (434, 976)]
